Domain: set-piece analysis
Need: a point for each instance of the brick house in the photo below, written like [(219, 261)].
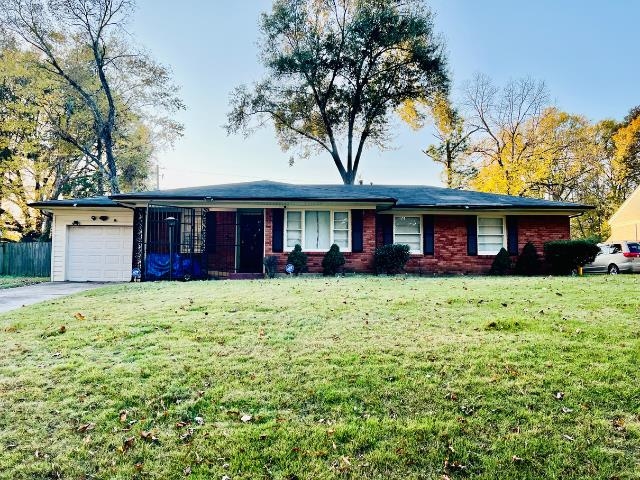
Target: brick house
[(225, 231)]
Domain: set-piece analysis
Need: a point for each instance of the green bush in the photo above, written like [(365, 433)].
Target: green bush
[(501, 264), (391, 259), (333, 261), (271, 265), (528, 262), (565, 256), (298, 259)]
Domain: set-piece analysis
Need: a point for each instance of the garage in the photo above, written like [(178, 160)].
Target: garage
[(99, 253)]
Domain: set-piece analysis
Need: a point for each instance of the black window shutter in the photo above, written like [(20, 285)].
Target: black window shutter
[(356, 230), (210, 236), (512, 234), (472, 235), (386, 226), (428, 238), (277, 230)]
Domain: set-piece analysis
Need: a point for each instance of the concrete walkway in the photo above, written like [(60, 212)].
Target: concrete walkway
[(13, 298)]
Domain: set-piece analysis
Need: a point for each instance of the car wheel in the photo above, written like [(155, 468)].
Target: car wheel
[(613, 269)]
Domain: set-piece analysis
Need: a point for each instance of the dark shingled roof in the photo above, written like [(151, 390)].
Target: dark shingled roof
[(400, 196), (397, 196), (77, 202)]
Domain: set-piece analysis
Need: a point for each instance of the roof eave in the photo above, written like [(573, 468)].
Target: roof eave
[(133, 198), (494, 207)]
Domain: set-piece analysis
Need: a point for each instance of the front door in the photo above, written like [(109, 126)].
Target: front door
[(251, 252)]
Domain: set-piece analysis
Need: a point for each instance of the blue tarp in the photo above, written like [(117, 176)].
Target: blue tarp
[(157, 266)]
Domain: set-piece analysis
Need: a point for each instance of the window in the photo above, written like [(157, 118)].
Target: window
[(408, 231), (294, 229), (341, 229), (317, 230), (491, 236)]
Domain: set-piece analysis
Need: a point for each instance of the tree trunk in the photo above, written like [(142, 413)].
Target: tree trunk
[(111, 162)]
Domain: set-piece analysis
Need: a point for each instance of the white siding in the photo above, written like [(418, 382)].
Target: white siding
[(64, 217)]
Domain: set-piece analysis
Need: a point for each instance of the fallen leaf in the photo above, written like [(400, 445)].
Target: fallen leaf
[(199, 420), (567, 410), (515, 458), (559, 395), (123, 415), (128, 443), (181, 424), (618, 424), (567, 437), (138, 466), (505, 305), (246, 418), (187, 471), (80, 316), (455, 465), (86, 427), (62, 329)]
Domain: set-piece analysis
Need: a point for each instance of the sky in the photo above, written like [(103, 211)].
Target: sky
[(584, 50)]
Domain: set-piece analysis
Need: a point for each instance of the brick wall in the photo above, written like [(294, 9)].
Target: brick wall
[(450, 244)]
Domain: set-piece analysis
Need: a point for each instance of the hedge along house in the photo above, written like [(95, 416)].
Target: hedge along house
[(225, 231)]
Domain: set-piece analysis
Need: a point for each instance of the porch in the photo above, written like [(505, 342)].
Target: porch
[(183, 243)]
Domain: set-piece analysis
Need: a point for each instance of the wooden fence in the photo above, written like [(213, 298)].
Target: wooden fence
[(32, 259)]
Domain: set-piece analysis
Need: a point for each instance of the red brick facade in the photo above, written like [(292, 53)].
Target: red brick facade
[(450, 244)]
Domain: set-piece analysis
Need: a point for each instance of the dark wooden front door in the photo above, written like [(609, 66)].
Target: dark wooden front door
[(251, 229)]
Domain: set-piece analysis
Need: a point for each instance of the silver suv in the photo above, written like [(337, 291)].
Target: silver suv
[(616, 257)]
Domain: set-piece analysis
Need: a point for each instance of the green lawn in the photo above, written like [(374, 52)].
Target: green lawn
[(11, 282), (385, 378)]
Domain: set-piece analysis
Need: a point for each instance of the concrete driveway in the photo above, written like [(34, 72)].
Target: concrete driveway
[(13, 298)]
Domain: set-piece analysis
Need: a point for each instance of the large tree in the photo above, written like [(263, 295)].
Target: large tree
[(37, 115), (336, 71), (506, 120), (82, 43), (453, 135)]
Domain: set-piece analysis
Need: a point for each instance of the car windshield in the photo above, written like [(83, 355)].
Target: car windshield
[(634, 247)]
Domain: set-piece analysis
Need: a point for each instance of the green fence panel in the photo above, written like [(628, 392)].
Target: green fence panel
[(31, 259)]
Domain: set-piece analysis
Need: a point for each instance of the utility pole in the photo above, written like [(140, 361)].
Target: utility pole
[(158, 175)]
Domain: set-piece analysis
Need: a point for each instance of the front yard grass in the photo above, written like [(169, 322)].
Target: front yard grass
[(7, 281), (385, 378)]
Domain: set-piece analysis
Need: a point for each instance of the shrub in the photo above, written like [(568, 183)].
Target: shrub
[(271, 265), (528, 262), (391, 259), (565, 256), (298, 259), (501, 264), (332, 261)]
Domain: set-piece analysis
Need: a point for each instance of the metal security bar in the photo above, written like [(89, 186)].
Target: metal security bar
[(174, 247)]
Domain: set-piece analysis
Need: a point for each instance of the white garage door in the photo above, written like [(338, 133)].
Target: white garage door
[(99, 253)]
